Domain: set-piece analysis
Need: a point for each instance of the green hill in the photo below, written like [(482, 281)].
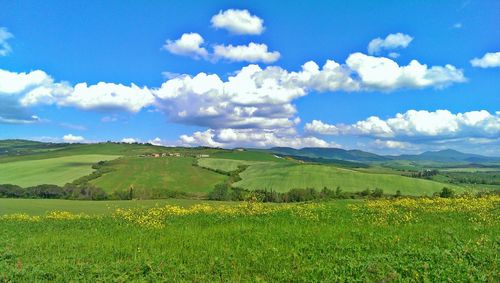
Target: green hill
[(283, 177), (56, 171), (157, 177)]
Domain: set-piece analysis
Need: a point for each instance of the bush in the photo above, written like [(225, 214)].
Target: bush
[(377, 193), (45, 191), (11, 191), (220, 192), (447, 193)]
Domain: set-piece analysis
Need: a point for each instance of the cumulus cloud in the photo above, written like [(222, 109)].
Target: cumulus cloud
[(37, 87), (5, 35), (73, 139), (230, 138), (252, 52), (418, 125), (156, 141), (188, 45), (101, 96), (251, 98), (390, 42), (390, 144), (318, 127), (489, 60), (238, 22), (385, 74), (262, 98)]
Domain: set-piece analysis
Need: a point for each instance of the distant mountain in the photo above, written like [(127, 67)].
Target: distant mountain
[(447, 155), (16, 147), (330, 153)]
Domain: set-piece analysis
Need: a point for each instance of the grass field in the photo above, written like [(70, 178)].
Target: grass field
[(57, 171), (226, 165), (248, 155), (283, 177), (440, 240), (42, 206), (152, 176)]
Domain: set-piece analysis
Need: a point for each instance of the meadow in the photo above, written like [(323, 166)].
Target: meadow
[(426, 240), (43, 206), (282, 177), (225, 165), (56, 171), (153, 176)]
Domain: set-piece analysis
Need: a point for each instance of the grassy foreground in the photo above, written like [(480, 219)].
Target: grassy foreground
[(431, 240), (43, 206)]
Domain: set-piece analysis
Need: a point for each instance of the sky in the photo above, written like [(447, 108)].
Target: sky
[(389, 77)]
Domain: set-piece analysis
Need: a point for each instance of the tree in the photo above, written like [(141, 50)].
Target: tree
[(377, 193), (447, 193)]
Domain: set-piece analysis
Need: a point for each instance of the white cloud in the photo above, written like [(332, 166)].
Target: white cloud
[(238, 22), (36, 87), (156, 141), (129, 140), (457, 25), (251, 98), (29, 120), (252, 52), (12, 83), (262, 98), (393, 55), (392, 41), (413, 124), (385, 74), (73, 139), (390, 144), (105, 96), (489, 60), (5, 35), (319, 127), (188, 45), (108, 96), (230, 138)]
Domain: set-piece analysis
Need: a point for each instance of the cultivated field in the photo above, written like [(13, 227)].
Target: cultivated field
[(57, 171), (151, 177), (283, 177), (226, 165), (425, 240)]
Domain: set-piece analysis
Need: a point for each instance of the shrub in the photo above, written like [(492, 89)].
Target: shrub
[(447, 193), (377, 193)]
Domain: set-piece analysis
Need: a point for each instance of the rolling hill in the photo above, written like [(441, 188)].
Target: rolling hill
[(442, 156), (279, 169)]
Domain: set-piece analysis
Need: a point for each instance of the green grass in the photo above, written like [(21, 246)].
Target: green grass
[(248, 155), (105, 149), (335, 246), (57, 171), (226, 165), (152, 176), (283, 177), (42, 206)]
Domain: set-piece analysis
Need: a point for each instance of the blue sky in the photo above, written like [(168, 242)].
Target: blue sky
[(67, 69)]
